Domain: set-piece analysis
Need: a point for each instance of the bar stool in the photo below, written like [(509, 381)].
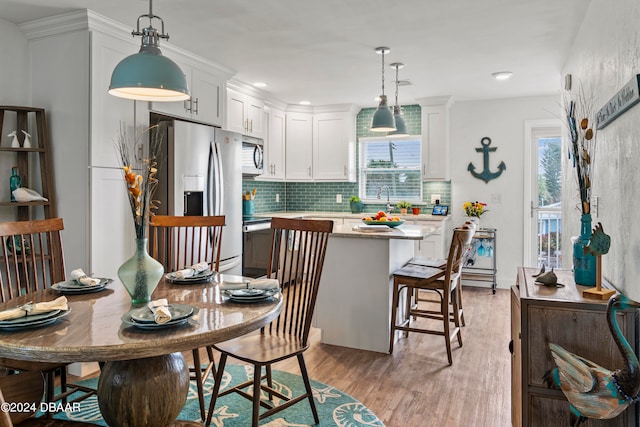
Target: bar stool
[(443, 282)]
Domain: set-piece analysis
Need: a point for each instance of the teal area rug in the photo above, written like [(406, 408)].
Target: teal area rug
[(335, 408)]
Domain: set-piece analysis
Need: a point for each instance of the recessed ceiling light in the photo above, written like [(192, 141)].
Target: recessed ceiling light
[(260, 84), (305, 102), (502, 75)]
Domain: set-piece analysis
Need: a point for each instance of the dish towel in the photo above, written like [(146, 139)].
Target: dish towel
[(160, 309), (192, 271), (264, 283), (79, 276), (31, 309)]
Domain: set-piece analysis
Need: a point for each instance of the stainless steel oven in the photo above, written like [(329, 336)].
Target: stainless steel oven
[(256, 244)]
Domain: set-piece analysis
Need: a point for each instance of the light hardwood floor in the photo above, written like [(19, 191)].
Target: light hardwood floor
[(415, 386)]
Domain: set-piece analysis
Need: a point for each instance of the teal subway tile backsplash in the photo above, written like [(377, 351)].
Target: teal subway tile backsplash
[(321, 196)]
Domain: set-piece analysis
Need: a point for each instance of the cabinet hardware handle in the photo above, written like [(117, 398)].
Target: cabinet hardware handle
[(187, 104), (196, 109), (309, 170), (251, 126), (217, 101), (345, 170), (511, 346)]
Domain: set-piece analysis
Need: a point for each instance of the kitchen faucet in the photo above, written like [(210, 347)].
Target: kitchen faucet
[(385, 187)]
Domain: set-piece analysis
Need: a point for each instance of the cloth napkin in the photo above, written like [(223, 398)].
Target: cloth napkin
[(192, 271), (160, 309), (264, 283), (79, 276), (33, 309)]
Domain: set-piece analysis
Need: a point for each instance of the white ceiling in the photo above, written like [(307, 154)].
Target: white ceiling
[(323, 50)]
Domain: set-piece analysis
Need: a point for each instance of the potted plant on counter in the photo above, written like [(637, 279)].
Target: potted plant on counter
[(403, 205), (356, 204)]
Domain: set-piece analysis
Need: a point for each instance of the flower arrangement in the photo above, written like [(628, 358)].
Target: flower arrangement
[(140, 175), (474, 208), (580, 120)]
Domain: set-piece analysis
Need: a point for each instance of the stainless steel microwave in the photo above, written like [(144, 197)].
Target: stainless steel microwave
[(252, 156)]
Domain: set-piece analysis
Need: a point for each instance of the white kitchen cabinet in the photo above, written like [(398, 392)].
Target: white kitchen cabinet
[(205, 104), (334, 146), (320, 146), (275, 145), (299, 147), (435, 138), (78, 53), (244, 114)]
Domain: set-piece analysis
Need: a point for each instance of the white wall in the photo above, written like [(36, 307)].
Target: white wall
[(604, 57), (503, 121), (14, 87)]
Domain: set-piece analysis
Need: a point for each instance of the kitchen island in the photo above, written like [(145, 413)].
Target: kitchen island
[(354, 302)]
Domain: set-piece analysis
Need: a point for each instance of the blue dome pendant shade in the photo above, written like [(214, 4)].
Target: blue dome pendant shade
[(148, 75), (382, 120), (401, 125)]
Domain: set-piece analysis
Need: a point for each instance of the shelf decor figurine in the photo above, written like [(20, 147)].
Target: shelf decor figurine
[(582, 149), (599, 245), (592, 390), (14, 142), (141, 273), (27, 140)]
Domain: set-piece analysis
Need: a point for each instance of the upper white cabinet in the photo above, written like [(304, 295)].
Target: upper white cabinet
[(275, 145), (299, 146), (435, 138), (207, 94), (334, 146), (321, 146), (244, 114)]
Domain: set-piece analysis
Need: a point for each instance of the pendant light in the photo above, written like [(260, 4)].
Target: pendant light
[(148, 75), (383, 120), (401, 126)]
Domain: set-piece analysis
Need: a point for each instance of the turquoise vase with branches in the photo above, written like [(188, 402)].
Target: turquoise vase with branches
[(584, 265)]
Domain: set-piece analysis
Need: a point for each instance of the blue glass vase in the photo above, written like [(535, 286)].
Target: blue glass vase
[(584, 265), (140, 274), (15, 182)]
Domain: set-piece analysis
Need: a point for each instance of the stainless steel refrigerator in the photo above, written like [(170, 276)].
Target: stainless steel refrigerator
[(202, 175)]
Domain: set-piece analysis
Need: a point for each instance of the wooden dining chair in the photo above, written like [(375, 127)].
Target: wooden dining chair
[(26, 389), (297, 256), (178, 242), (32, 259), (443, 282)]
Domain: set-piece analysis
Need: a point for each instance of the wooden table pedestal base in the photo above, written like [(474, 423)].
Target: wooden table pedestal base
[(143, 392)]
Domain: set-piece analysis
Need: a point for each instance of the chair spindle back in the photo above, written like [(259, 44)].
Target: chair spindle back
[(298, 250)]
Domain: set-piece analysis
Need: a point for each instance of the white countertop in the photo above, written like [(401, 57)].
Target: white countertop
[(406, 232), (349, 215)]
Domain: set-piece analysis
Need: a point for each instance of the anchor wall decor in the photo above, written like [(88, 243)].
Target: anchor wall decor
[(486, 175)]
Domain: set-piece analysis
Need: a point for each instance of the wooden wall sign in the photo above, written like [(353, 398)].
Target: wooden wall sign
[(486, 175), (626, 98)]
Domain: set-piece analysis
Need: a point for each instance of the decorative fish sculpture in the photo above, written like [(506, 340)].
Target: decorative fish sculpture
[(592, 390), (599, 243)]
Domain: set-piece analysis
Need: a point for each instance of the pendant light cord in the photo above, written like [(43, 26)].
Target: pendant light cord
[(397, 68), (383, 71)]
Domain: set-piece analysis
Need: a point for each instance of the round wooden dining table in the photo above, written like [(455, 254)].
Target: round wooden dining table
[(145, 378)]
